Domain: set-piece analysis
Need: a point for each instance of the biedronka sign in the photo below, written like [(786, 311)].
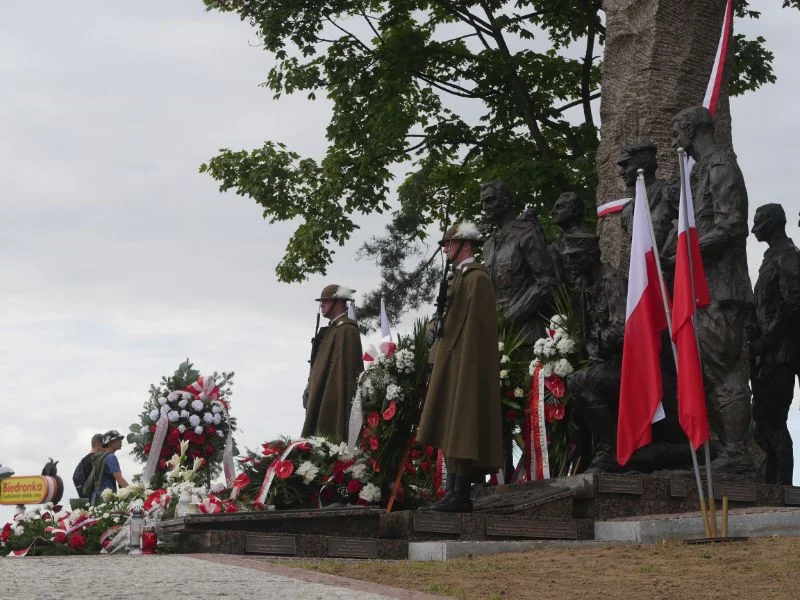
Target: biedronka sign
[(35, 489)]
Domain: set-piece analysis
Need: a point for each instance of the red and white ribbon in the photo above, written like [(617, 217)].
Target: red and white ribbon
[(205, 388), (441, 472), (717, 70), (22, 552), (264, 491), (536, 459), (155, 447), (612, 207)]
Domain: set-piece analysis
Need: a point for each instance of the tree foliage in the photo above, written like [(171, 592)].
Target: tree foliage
[(448, 92)]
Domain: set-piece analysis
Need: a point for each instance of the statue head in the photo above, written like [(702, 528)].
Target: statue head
[(768, 219), (581, 254), (568, 211), (639, 155), (497, 199), (690, 124)]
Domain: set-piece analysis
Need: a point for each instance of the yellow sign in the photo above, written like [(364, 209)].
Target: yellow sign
[(36, 489)]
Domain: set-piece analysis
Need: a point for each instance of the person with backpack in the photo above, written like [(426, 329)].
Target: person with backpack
[(84, 468), (106, 472)]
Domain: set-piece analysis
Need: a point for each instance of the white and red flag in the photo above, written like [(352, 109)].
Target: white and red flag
[(387, 346), (691, 292), (645, 318), (717, 69)]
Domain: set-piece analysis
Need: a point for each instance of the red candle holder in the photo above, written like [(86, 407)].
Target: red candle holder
[(149, 540)]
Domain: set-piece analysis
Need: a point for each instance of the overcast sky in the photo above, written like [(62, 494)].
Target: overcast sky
[(118, 259)]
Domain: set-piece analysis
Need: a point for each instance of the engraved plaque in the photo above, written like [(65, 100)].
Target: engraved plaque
[(430, 521), (511, 528), (677, 488), (736, 492), (791, 496), (352, 548), (270, 544), (619, 485)]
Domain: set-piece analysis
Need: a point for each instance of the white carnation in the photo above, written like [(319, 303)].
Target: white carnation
[(186, 395), (504, 374), (197, 405), (106, 494), (558, 322), (562, 368), (183, 403), (565, 346), (308, 471), (549, 349), (547, 370), (217, 419), (358, 471), (181, 427), (173, 416), (199, 430), (393, 392), (194, 420), (154, 414), (162, 401), (184, 414), (538, 346), (19, 530), (518, 393), (216, 409), (172, 396), (208, 417), (370, 493)]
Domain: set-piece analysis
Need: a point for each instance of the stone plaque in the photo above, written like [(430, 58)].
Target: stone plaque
[(607, 484), (270, 544), (352, 548), (677, 488), (430, 521), (791, 496), (736, 492), (511, 528)]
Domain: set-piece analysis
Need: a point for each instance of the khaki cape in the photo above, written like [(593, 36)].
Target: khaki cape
[(332, 383), (462, 406)]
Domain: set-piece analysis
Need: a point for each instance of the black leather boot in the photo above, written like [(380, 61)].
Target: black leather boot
[(450, 487), (461, 500)]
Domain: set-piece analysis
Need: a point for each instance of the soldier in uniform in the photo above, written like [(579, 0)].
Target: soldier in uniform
[(520, 264), (720, 202), (335, 367), (462, 405), (775, 341)]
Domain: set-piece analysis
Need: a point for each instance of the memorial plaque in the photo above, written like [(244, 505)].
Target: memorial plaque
[(511, 528), (619, 485), (677, 488), (736, 492), (430, 521), (352, 548), (791, 496), (270, 544)]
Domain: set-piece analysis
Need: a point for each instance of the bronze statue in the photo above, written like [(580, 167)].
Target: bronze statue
[(520, 264), (720, 201), (775, 341)]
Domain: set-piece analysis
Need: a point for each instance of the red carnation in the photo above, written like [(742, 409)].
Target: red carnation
[(211, 429), (60, 537), (430, 450), (353, 486), (162, 464), (390, 411), (338, 476), (424, 465), (415, 454), (373, 419), (173, 437), (373, 442), (147, 448), (6, 533), (76, 541), (210, 450), (283, 469)]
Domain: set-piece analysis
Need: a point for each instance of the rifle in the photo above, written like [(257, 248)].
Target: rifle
[(441, 303), (319, 333)]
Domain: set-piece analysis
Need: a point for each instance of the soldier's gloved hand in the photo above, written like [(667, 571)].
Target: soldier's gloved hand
[(430, 337), (305, 397)]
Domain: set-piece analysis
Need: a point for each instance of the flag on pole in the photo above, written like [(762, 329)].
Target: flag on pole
[(645, 318), (387, 346), (717, 70), (691, 292)]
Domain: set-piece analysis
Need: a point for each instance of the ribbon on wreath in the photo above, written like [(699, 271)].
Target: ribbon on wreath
[(441, 472), (241, 481), (536, 459), (155, 447), (205, 388), (264, 491)]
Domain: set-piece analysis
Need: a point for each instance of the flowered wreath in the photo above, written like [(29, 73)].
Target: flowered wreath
[(196, 409)]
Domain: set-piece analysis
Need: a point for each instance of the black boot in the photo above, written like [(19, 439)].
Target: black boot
[(450, 487), (461, 500)]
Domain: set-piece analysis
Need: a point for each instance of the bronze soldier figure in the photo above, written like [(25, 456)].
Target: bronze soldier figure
[(775, 341), (336, 365)]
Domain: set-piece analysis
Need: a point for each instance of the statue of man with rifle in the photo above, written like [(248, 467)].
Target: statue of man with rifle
[(336, 361), (461, 414)]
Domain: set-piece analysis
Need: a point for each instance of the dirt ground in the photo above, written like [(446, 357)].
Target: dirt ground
[(758, 568)]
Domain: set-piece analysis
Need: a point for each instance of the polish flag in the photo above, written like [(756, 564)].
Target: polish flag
[(387, 346), (691, 292), (717, 69), (641, 389)]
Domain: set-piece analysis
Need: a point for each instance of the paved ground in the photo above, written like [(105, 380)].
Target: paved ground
[(171, 576)]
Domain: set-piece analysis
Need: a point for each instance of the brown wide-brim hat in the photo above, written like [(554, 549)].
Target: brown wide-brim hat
[(334, 291), (465, 231)]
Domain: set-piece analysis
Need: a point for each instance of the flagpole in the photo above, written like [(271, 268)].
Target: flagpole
[(662, 286), (684, 190)]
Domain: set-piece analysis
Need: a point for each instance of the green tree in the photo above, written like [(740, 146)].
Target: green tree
[(450, 92)]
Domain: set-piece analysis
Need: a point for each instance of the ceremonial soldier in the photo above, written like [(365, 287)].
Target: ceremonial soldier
[(336, 361), (775, 341), (462, 405)]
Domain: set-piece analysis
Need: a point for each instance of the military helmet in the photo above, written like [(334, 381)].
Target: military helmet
[(334, 291), (462, 231), (628, 151)]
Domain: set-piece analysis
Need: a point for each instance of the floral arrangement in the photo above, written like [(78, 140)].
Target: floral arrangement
[(515, 382), (555, 357), (197, 413), (388, 394), (306, 474)]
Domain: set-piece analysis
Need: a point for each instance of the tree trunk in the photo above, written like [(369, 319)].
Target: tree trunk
[(657, 61)]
